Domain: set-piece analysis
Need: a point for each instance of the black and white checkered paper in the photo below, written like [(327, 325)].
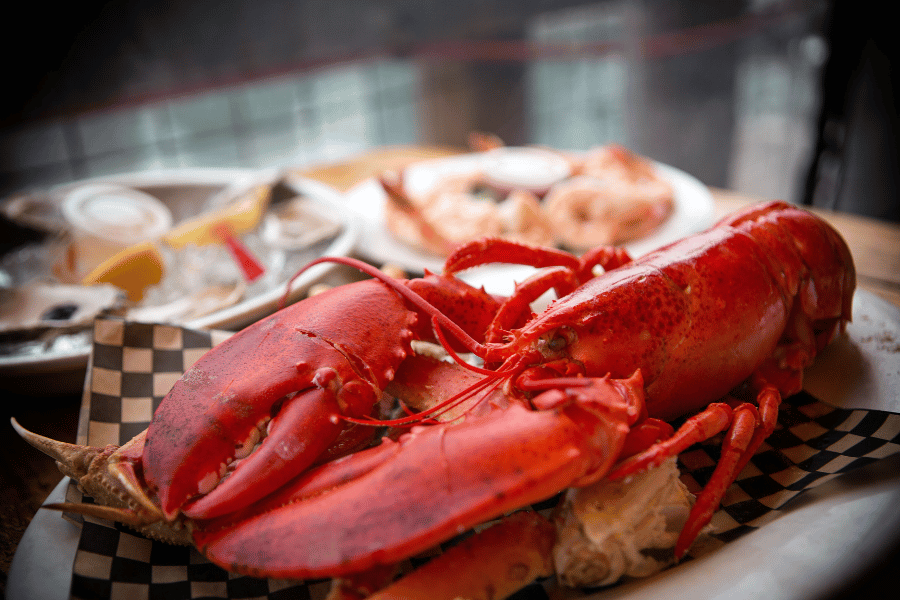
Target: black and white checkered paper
[(133, 365)]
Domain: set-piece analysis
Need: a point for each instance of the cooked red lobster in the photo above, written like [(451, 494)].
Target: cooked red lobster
[(580, 392)]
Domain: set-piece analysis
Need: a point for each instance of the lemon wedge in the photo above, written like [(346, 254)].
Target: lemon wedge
[(240, 216), (133, 270)]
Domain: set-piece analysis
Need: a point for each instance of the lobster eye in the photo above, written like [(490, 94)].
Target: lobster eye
[(557, 343), (554, 342)]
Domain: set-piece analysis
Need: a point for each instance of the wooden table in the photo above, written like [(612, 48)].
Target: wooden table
[(26, 477)]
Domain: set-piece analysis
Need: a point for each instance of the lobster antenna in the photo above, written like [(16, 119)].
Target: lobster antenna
[(428, 413), (464, 338), (439, 333), (485, 385)]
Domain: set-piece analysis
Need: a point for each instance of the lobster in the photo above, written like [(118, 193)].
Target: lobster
[(263, 455)]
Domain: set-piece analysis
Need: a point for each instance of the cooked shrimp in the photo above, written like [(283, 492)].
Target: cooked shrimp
[(524, 219), (480, 141), (614, 160), (619, 197), (404, 218), (588, 211), (448, 215)]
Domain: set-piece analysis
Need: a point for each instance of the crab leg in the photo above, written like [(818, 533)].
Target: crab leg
[(497, 562)]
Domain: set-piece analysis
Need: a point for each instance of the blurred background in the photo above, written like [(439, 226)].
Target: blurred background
[(788, 99), (781, 99)]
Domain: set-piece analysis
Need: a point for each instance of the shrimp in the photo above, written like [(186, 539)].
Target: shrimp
[(461, 208), (617, 197)]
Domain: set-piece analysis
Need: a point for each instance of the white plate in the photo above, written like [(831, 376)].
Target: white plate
[(822, 541), (198, 190), (693, 212)]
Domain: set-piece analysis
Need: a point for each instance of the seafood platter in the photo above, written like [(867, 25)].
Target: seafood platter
[(423, 438), (199, 247), (573, 200)]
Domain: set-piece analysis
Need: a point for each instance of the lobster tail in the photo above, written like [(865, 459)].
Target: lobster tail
[(817, 277), (825, 279)]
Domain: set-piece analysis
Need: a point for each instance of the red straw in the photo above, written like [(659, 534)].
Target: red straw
[(246, 261)]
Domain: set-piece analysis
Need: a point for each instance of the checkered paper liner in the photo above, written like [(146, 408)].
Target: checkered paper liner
[(133, 365)]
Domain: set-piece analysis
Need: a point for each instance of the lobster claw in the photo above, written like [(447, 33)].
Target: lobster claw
[(432, 484), (289, 369), (282, 458)]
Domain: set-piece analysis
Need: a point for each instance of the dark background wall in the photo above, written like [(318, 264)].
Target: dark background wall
[(76, 58)]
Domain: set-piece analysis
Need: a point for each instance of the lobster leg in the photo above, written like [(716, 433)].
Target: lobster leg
[(734, 450), (497, 250), (746, 431), (698, 428), (644, 435), (768, 401), (565, 274), (608, 257), (750, 427), (517, 308), (741, 424)]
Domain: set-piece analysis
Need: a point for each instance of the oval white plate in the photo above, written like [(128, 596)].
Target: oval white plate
[(693, 212)]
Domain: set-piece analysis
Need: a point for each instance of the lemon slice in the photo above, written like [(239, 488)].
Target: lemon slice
[(133, 270), (241, 216)]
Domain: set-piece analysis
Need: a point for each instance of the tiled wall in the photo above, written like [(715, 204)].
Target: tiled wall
[(324, 114), (291, 120), (580, 103)]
